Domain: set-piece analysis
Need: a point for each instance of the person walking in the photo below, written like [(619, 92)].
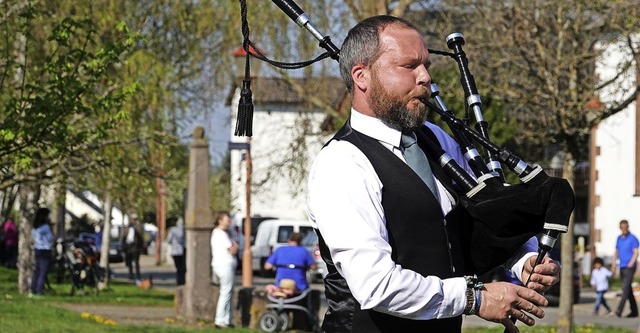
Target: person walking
[(42, 243), (626, 254), (600, 283), (176, 239), (391, 235), (223, 264), (132, 240), (10, 242)]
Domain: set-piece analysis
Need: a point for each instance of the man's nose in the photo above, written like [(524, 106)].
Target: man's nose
[(424, 78)]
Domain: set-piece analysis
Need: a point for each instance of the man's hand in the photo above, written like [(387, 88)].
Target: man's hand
[(502, 299), (545, 275)]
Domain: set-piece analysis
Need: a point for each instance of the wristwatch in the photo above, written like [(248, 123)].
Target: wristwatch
[(474, 295)]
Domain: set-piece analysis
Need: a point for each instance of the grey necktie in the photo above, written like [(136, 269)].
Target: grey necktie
[(418, 162)]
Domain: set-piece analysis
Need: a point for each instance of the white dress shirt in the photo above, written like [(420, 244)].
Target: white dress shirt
[(345, 205)]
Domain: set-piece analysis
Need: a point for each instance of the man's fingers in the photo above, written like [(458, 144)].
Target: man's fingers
[(532, 296), (523, 317), (529, 307)]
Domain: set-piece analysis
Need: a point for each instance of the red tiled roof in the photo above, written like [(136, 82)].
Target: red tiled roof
[(279, 90)]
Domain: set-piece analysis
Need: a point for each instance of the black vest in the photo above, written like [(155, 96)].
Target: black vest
[(421, 238)]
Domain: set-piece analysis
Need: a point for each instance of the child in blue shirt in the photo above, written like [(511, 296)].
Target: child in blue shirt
[(600, 282)]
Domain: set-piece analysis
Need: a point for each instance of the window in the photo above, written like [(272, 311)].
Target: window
[(283, 233), (305, 231)]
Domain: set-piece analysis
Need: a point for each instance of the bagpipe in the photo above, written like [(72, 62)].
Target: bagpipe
[(503, 216)]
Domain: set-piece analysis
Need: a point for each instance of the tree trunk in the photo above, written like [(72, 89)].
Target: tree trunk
[(161, 216), (59, 211), (106, 236), (565, 308), (29, 197)]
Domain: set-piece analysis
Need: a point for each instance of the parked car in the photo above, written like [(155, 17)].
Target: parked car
[(238, 226), (115, 251), (271, 235), (95, 241), (310, 242), (237, 230)]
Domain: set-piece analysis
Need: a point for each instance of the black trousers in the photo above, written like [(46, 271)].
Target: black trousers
[(132, 258), (626, 275), (181, 269)]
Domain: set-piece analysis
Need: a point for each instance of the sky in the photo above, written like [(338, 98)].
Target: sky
[(217, 129)]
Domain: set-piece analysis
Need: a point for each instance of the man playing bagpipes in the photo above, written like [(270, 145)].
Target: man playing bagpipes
[(393, 235)]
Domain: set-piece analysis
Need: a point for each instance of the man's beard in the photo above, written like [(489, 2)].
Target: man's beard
[(392, 109)]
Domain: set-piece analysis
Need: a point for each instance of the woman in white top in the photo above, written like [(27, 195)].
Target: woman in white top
[(223, 263)]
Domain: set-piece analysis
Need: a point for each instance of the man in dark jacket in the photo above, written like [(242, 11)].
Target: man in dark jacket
[(132, 240)]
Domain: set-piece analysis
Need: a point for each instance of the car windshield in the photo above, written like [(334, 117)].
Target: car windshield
[(311, 239)]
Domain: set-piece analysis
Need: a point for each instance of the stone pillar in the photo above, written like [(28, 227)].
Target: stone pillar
[(197, 299)]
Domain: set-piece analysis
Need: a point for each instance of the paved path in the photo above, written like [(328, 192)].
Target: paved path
[(128, 315), (164, 278), (582, 315)]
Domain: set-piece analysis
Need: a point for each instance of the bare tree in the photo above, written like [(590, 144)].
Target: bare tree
[(539, 58)]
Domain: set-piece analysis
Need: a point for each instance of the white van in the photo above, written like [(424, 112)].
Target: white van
[(273, 234)]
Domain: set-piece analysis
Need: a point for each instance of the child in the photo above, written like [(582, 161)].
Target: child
[(286, 289), (600, 282)]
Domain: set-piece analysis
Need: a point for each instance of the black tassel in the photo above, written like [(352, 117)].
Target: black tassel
[(245, 110), (244, 122)]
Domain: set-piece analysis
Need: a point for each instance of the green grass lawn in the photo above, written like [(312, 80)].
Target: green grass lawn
[(19, 313)]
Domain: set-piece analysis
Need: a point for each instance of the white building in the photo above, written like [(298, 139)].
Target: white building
[(80, 203), (616, 156), (286, 138)]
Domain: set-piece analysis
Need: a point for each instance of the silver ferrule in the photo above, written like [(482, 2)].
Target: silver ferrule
[(520, 167), (435, 91), (454, 35), (474, 99), (444, 159), (303, 21), (494, 165), (471, 154), (547, 240)]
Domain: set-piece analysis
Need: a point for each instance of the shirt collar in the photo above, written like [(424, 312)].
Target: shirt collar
[(375, 128)]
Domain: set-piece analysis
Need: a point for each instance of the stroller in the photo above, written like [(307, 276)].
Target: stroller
[(281, 310), (81, 262)]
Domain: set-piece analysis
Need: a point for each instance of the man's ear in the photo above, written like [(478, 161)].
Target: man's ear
[(360, 75)]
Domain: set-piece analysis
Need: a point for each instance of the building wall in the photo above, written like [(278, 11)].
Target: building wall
[(615, 139), (279, 177), (615, 184)]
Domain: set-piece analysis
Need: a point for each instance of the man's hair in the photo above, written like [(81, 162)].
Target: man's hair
[(362, 44), (42, 217), (624, 222), (295, 237)]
